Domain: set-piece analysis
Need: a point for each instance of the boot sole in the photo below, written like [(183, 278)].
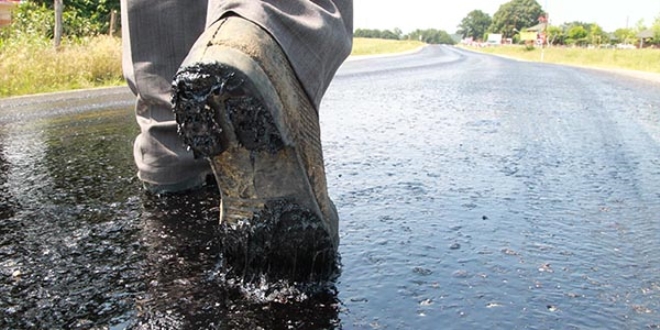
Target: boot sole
[(229, 112)]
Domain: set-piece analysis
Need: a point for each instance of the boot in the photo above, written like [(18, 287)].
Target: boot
[(238, 102)]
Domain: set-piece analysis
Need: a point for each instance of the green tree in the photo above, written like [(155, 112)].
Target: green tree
[(431, 36), (378, 34), (555, 35), (626, 36), (568, 25), (576, 35), (640, 26), (597, 36), (656, 30), (516, 15), (474, 25), (398, 33), (366, 33), (387, 34)]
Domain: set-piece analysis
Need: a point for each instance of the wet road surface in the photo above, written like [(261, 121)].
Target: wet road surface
[(474, 193)]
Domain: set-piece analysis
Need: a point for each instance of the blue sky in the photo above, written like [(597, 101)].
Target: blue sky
[(446, 15)]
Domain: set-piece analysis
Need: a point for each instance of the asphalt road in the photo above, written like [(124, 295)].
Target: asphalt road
[(474, 192)]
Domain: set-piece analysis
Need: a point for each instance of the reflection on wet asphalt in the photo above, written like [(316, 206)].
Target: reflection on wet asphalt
[(473, 192)]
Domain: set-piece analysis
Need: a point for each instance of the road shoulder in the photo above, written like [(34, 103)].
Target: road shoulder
[(648, 76), (365, 57)]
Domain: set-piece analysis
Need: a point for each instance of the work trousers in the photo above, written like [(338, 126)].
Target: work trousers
[(315, 35)]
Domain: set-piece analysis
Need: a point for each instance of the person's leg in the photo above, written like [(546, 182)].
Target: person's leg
[(247, 97), (157, 35)]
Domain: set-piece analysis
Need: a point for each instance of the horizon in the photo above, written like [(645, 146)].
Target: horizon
[(388, 14)]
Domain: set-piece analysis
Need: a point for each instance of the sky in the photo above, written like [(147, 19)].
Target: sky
[(409, 15)]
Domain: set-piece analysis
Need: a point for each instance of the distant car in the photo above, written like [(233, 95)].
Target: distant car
[(625, 46)]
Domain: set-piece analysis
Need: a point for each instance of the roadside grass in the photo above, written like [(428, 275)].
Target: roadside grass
[(647, 60), (32, 65), (368, 46)]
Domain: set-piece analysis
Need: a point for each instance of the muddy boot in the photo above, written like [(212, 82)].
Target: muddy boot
[(238, 102)]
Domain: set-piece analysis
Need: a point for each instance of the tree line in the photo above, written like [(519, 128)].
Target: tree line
[(517, 15), (429, 36)]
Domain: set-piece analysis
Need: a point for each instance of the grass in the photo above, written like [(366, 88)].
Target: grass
[(32, 65), (647, 60), (365, 46)]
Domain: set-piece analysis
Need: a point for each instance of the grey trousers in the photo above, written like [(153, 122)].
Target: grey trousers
[(316, 36)]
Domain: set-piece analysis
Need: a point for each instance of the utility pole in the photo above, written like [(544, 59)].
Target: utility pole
[(58, 23), (544, 39), (543, 19), (113, 23)]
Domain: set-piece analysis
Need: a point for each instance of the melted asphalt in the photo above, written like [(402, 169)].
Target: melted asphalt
[(473, 192)]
